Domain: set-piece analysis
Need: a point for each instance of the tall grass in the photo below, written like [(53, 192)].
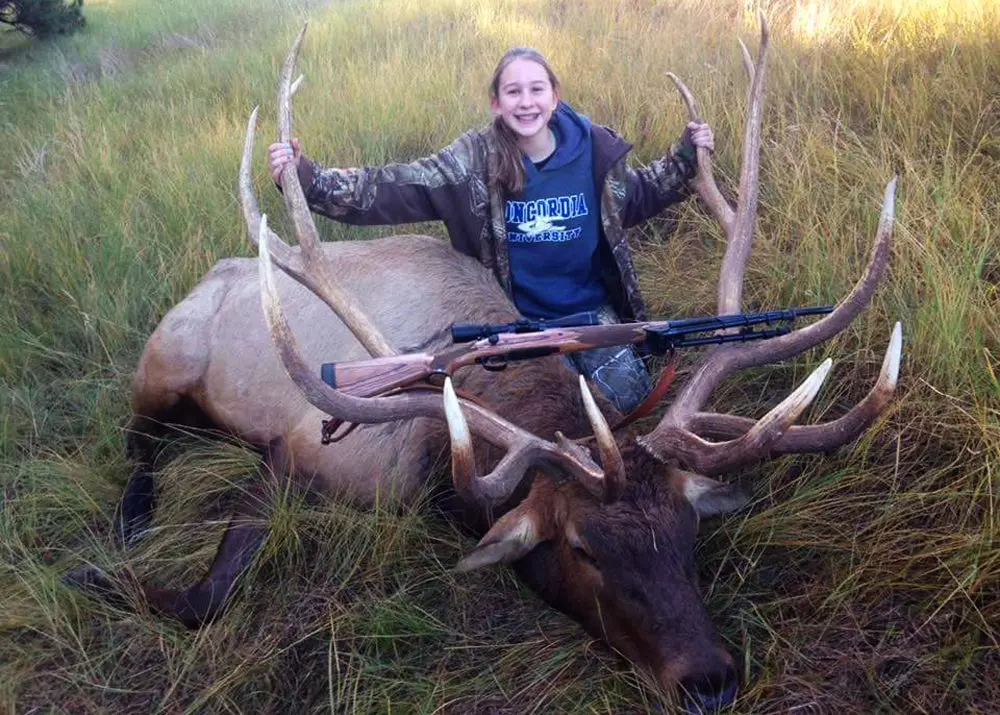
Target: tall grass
[(862, 581)]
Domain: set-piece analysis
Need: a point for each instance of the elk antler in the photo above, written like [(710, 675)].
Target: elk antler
[(681, 432), (312, 267)]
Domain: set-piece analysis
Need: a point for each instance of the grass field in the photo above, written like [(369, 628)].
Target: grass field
[(867, 580)]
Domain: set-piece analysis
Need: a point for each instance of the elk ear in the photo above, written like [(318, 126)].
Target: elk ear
[(711, 498), (515, 534)]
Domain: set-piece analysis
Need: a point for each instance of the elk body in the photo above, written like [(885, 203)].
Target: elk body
[(605, 534)]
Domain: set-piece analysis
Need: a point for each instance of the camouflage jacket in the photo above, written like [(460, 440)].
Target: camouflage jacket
[(454, 186)]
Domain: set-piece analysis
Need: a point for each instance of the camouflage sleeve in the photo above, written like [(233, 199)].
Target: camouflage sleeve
[(666, 181), (390, 194)]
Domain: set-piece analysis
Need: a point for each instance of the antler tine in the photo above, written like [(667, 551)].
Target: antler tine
[(289, 260), (463, 461), (295, 200), (523, 448), (522, 451), (738, 227), (607, 447), (704, 181), (800, 340), (748, 63), (738, 249)]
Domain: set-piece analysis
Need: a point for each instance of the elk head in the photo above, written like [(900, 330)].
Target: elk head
[(605, 535)]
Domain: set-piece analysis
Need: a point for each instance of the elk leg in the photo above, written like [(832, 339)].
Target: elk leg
[(143, 443), (135, 508), (134, 511), (207, 600)]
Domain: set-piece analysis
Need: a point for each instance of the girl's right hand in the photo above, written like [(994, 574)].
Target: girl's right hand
[(279, 154)]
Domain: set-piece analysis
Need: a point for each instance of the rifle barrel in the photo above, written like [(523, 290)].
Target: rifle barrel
[(731, 338), (720, 322)]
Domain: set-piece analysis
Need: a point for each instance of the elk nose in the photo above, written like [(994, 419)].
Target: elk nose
[(710, 692)]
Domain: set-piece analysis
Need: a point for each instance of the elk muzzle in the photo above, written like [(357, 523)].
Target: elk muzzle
[(708, 685)]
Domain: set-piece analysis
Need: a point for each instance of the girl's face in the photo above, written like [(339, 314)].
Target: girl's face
[(525, 98)]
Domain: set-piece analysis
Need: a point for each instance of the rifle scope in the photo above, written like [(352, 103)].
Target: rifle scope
[(467, 332)]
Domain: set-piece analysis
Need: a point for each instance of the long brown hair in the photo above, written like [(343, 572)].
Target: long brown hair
[(506, 167)]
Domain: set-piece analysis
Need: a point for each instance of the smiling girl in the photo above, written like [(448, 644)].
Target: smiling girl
[(541, 196)]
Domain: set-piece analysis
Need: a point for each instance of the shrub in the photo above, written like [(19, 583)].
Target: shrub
[(42, 18)]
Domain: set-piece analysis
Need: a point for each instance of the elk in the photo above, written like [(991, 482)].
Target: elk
[(602, 530)]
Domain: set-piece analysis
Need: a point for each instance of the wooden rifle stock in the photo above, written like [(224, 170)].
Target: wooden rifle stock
[(364, 378)]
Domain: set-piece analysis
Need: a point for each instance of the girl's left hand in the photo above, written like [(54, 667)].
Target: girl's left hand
[(701, 135)]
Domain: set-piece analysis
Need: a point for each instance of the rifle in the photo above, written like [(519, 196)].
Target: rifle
[(494, 346)]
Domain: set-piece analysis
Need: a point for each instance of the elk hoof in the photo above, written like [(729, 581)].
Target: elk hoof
[(96, 583)]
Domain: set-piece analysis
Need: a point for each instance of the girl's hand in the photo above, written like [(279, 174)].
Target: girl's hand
[(700, 135), (281, 153)]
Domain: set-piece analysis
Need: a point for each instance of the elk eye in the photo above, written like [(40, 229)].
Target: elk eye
[(585, 555)]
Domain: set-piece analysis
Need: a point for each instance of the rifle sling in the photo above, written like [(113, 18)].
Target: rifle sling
[(663, 384)]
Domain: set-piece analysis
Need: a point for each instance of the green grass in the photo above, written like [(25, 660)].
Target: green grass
[(863, 581)]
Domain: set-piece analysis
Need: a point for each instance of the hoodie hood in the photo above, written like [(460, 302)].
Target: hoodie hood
[(572, 132)]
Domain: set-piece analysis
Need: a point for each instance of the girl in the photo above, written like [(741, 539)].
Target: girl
[(541, 196)]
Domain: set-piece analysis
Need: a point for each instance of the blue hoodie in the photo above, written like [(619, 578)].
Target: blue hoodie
[(553, 227)]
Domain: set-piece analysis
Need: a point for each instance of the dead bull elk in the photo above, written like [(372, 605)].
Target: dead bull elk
[(605, 536)]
